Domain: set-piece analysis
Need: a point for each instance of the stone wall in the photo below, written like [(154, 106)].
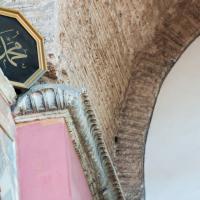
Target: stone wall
[(93, 44), (99, 42), (107, 46), (180, 26)]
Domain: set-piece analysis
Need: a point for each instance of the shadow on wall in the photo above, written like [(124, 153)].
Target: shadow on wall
[(172, 159)]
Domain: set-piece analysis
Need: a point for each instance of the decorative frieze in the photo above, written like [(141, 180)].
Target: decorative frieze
[(61, 101)]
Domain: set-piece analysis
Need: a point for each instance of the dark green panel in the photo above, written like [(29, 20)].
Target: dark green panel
[(18, 50)]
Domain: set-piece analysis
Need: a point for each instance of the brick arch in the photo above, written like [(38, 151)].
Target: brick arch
[(178, 29)]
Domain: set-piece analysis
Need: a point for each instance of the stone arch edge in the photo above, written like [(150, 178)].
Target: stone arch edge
[(151, 67)]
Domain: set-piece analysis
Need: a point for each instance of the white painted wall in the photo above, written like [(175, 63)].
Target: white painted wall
[(172, 159)]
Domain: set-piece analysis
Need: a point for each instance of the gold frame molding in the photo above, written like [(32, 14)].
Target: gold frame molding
[(42, 68), (60, 101)]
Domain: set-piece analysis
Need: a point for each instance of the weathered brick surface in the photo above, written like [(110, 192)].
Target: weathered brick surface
[(172, 36), (93, 44), (99, 42)]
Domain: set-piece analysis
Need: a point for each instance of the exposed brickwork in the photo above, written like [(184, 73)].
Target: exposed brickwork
[(99, 42), (93, 44), (172, 36)]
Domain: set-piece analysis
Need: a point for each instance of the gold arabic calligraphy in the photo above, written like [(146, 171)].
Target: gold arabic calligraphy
[(11, 54)]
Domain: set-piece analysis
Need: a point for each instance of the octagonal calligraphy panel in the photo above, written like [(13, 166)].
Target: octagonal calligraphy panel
[(21, 49)]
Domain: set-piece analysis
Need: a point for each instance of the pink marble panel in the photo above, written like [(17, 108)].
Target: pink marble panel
[(48, 166)]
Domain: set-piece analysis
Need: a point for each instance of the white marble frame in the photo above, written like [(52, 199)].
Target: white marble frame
[(60, 101)]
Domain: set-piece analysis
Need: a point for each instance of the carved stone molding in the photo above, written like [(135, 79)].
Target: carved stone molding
[(53, 101)]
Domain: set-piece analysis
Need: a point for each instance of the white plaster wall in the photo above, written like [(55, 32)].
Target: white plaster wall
[(172, 159)]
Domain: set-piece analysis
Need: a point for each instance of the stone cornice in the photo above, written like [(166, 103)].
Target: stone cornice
[(51, 100)]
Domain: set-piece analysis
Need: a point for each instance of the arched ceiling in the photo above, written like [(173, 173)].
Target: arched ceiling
[(98, 44), (179, 27), (94, 44)]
